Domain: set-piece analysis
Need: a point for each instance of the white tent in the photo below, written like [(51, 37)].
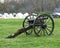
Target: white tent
[(1, 15), (11, 15), (5, 15), (26, 14), (19, 15)]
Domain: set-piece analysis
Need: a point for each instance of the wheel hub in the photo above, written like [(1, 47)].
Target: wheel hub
[(44, 26)]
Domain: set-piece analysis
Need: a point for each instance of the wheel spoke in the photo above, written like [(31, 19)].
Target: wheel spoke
[(29, 32), (46, 32), (47, 21), (43, 32), (49, 27), (37, 28), (39, 31)]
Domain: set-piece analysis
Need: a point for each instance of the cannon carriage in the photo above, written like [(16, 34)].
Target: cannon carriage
[(39, 24)]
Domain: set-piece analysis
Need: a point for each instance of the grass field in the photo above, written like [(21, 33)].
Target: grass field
[(9, 26)]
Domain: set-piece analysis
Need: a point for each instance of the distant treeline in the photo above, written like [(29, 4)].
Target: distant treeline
[(29, 5)]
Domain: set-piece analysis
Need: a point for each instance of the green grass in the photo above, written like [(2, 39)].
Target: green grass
[(9, 26)]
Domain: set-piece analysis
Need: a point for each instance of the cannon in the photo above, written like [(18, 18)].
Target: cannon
[(39, 24)]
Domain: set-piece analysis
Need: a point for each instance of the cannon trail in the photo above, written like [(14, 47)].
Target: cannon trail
[(20, 31)]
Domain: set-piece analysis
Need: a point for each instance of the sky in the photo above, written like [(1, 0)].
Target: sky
[(2, 1)]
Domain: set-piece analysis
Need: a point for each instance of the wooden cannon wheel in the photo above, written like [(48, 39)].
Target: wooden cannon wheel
[(26, 23), (43, 24)]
